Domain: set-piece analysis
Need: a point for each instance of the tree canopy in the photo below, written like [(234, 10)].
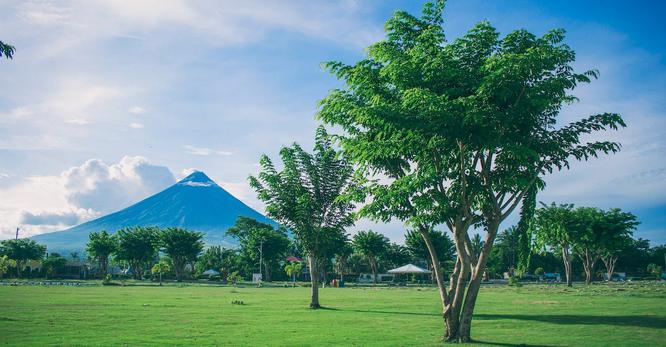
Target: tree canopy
[(182, 246), (100, 246), (137, 246), (22, 251)]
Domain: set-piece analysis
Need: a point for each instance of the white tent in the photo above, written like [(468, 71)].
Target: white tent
[(409, 269), (210, 272)]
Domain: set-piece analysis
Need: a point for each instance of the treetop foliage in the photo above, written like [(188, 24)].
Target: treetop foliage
[(453, 122)]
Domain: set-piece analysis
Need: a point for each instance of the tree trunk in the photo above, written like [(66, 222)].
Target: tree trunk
[(438, 276), (566, 259), (314, 280), (373, 267), (588, 265), (19, 265), (465, 328), (610, 262)]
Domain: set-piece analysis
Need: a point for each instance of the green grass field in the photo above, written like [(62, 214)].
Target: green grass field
[(599, 315)]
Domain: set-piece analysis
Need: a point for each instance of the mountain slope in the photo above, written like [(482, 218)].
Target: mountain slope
[(196, 203)]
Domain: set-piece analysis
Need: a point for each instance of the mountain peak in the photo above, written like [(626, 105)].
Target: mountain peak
[(197, 179)]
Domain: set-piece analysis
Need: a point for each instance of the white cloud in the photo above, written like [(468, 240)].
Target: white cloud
[(78, 121), (136, 110), (204, 151), (107, 188), (47, 203), (136, 125)]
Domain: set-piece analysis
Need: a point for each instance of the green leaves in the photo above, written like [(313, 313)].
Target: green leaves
[(307, 194), (7, 50)]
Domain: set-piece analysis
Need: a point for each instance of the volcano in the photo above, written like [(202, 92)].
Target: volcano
[(195, 203)]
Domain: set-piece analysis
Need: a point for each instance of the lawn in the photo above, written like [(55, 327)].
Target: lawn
[(598, 315)]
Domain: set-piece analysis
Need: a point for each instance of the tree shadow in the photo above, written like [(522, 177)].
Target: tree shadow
[(566, 319), (383, 312), (490, 343)]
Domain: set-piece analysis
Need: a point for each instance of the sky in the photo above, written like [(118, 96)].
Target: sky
[(107, 102)]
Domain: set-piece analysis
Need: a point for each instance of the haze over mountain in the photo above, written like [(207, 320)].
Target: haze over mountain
[(196, 203)]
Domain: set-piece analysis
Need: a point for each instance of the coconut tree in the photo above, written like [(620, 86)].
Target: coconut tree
[(292, 269)]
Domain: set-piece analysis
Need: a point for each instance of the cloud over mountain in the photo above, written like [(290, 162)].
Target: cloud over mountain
[(46, 203)]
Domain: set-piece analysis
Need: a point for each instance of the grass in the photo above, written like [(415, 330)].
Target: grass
[(598, 315)]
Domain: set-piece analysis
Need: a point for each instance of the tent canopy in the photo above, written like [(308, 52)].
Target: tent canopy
[(210, 272), (409, 269)]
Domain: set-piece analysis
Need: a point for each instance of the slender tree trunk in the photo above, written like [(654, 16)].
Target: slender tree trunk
[(19, 265), (314, 280), (566, 258), (373, 267), (438, 276)]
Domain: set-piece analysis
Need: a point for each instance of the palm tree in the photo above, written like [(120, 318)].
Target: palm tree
[(292, 269), (161, 267)]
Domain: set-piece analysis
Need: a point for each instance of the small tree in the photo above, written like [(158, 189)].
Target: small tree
[(5, 264), (161, 267), (618, 228), (53, 265), (371, 245), (306, 197), (137, 246), (182, 246), (100, 246), (553, 225), (441, 242), (260, 242), (342, 255), (234, 278), (654, 270), (292, 269), (22, 251)]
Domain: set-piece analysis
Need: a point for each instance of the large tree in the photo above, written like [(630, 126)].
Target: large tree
[(138, 247), (306, 197), (371, 245), (260, 242), (459, 133), (100, 246), (22, 251), (182, 246)]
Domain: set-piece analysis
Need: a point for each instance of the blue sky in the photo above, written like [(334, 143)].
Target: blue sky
[(107, 102)]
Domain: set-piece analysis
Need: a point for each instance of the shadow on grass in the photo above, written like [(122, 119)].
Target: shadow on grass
[(382, 312), (635, 321)]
